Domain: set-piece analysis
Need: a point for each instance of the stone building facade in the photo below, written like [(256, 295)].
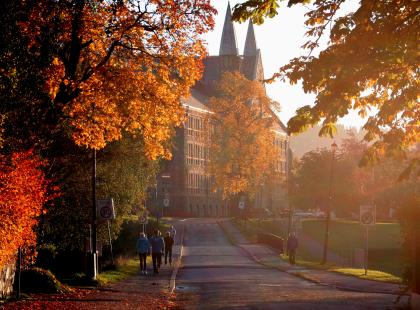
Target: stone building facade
[(184, 181)]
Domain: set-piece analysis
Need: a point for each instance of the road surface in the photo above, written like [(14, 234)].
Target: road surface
[(218, 275)]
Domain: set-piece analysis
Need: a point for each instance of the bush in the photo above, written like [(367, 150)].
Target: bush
[(37, 280), (125, 244), (46, 256)]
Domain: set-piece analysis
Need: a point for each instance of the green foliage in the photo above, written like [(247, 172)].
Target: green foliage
[(37, 280), (351, 184), (258, 10)]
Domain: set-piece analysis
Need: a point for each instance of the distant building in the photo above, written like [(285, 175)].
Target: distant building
[(183, 180)]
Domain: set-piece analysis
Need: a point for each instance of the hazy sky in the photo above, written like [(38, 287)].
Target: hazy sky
[(280, 40)]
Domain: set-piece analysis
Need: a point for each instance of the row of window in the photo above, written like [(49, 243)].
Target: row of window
[(198, 181), (195, 123), (282, 144), (281, 166)]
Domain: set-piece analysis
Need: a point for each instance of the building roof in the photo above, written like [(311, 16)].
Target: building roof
[(196, 101), (250, 42), (228, 44), (229, 60)]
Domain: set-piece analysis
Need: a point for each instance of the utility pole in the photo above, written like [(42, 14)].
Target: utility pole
[(328, 211)]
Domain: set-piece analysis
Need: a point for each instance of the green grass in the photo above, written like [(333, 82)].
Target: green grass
[(125, 268), (350, 234), (374, 275), (371, 274), (384, 240)]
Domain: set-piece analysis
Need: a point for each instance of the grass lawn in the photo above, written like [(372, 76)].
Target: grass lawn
[(350, 234), (355, 272), (371, 274), (384, 241), (125, 268)]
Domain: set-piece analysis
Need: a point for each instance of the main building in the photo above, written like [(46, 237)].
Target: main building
[(183, 186)]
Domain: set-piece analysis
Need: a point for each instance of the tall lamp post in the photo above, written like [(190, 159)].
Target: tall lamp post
[(328, 210), (93, 262)]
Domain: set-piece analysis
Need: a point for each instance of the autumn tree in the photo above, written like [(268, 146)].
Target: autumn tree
[(23, 193), (242, 155), (370, 64), (123, 173), (116, 66)]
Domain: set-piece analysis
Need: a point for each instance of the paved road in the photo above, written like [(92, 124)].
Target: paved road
[(217, 275)]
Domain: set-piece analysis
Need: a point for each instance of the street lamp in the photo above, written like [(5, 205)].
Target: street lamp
[(328, 211)]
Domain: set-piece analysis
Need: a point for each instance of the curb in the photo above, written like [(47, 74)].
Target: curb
[(172, 281), (299, 275)]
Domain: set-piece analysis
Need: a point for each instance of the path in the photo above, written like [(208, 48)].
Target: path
[(219, 275)]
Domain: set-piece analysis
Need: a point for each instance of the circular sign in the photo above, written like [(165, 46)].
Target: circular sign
[(367, 218), (241, 205), (106, 212), (143, 219), (166, 202)]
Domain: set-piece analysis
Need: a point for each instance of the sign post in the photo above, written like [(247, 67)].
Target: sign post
[(143, 219), (105, 212), (367, 218)]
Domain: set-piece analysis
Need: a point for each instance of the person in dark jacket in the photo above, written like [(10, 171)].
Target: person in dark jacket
[(158, 246), (169, 242), (143, 250), (292, 244)]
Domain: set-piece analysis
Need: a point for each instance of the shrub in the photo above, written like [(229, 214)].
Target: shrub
[(46, 256), (37, 280)]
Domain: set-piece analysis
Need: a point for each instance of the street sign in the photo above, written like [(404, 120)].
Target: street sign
[(166, 202), (367, 215), (241, 205), (143, 217), (105, 209)]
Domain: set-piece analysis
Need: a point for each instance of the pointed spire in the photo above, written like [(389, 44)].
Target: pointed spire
[(228, 43), (250, 42)]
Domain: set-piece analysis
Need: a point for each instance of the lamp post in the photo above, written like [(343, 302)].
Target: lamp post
[(93, 266), (328, 210)]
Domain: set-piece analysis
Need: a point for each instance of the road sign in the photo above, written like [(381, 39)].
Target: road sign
[(105, 209), (367, 215), (241, 205), (143, 217), (166, 202)]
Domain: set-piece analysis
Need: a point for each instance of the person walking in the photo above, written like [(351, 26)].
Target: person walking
[(158, 246), (143, 250), (292, 244), (169, 242)]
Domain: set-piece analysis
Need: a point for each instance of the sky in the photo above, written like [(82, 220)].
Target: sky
[(279, 39)]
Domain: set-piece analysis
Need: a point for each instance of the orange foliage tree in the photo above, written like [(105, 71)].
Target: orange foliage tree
[(23, 193), (242, 155), (120, 65)]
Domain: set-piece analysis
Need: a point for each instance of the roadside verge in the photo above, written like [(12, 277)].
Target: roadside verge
[(267, 257)]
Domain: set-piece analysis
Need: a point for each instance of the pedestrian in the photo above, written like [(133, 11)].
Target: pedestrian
[(169, 242), (158, 246), (143, 250), (292, 244)]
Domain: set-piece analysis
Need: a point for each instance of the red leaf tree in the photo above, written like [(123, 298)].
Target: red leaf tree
[(23, 193)]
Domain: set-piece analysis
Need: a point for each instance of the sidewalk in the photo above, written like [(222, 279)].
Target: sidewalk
[(138, 292), (266, 256)]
